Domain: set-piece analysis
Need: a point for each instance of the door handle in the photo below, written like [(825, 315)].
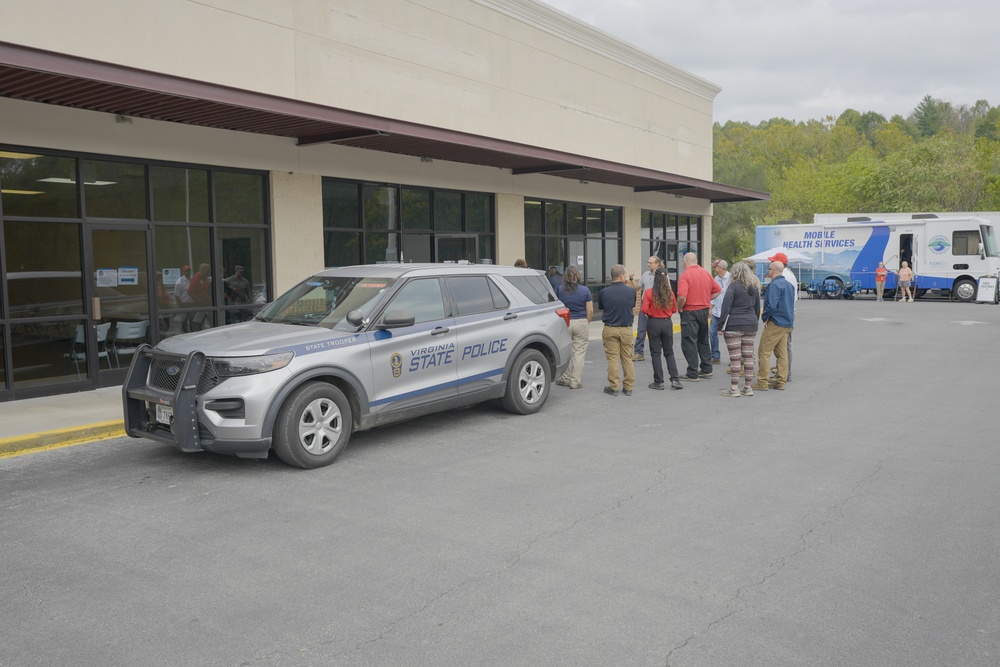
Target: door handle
[(95, 307), (510, 316), (439, 331)]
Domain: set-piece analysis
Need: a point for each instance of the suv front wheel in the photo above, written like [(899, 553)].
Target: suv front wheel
[(527, 384), (313, 426)]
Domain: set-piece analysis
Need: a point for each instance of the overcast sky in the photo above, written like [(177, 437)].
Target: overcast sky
[(808, 59)]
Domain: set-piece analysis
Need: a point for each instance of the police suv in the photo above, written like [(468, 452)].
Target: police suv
[(349, 349)]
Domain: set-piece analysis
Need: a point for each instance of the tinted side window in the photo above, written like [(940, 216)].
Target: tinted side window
[(965, 243), (422, 298), (536, 288), (471, 293), (499, 300)]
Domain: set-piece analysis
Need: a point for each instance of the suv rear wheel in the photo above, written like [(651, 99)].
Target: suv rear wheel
[(313, 426), (527, 384)]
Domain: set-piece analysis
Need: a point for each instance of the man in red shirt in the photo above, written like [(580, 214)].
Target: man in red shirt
[(695, 291)]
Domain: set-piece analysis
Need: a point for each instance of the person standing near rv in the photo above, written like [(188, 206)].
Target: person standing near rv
[(778, 318), (905, 276), (880, 275)]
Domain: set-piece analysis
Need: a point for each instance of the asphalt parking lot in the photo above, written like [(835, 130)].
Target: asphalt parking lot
[(848, 520)]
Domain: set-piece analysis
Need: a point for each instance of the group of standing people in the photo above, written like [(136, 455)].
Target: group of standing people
[(731, 303)]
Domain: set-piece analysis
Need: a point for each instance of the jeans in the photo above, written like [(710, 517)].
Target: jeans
[(694, 341), (661, 341), (640, 335), (713, 337)]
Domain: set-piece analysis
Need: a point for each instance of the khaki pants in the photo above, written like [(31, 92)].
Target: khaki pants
[(879, 289), (774, 340), (618, 347), (579, 331)]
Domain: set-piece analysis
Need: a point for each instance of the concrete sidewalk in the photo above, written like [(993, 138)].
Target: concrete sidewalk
[(57, 421), (68, 419)]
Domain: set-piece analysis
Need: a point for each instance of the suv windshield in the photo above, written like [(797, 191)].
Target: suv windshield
[(325, 301)]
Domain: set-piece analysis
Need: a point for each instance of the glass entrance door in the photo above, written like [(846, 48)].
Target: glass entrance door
[(120, 288), (458, 248)]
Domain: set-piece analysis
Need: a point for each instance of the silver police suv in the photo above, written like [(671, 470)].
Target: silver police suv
[(349, 349)]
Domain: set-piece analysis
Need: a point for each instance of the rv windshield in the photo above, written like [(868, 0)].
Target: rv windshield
[(990, 241), (325, 301)]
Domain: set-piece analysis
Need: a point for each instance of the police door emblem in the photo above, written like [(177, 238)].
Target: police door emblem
[(396, 361)]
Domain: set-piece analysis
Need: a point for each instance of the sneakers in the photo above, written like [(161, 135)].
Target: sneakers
[(731, 393), (716, 361), (774, 384), (638, 357), (689, 378), (657, 385), (761, 387), (563, 382), (576, 386), (676, 384), (705, 375), (627, 392), (610, 392), (746, 391)]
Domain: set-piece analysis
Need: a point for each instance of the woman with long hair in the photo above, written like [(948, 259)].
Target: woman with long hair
[(580, 302), (738, 323), (658, 304)]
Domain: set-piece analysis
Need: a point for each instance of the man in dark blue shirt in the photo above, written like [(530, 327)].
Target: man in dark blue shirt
[(617, 300)]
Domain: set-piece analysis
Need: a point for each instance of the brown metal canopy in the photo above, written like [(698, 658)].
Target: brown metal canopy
[(51, 78)]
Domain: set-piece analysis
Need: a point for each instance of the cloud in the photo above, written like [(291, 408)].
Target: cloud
[(812, 59)]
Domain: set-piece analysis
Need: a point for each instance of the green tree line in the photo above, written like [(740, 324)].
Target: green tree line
[(940, 158)]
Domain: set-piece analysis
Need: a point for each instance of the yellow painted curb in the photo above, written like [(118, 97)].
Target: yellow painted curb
[(63, 437)]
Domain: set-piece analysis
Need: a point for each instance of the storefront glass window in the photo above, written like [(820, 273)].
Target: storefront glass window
[(340, 205), (38, 186), (341, 248), (416, 209), (239, 198), (401, 223), (589, 233), (244, 272), (447, 212), (114, 189), (43, 269), (179, 194)]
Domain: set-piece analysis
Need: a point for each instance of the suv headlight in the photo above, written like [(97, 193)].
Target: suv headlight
[(236, 366)]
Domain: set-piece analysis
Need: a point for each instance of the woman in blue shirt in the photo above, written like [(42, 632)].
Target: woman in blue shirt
[(580, 302)]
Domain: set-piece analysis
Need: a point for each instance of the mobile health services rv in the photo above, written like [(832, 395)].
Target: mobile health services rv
[(946, 252)]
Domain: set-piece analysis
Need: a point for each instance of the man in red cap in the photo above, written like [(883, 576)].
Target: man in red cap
[(787, 274)]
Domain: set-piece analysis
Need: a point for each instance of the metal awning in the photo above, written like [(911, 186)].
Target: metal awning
[(51, 78)]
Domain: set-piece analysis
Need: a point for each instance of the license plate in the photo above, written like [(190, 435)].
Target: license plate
[(164, 414)]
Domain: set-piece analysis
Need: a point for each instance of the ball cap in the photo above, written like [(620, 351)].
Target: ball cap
[(779, 257)]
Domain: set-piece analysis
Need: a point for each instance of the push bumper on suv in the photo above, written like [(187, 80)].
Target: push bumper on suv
[(161, 403)]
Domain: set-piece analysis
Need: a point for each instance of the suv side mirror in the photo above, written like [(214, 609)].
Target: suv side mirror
[(356, 318), (982, 251), (395, 319)]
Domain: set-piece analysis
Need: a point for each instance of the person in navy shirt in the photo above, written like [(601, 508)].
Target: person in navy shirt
[(578, 299), (617, 300)]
